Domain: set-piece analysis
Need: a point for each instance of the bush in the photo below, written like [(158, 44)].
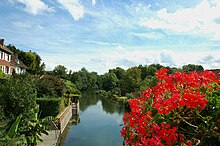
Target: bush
[(50, 106), (182, 109), (102, 93), (17, 95), (50, 86)]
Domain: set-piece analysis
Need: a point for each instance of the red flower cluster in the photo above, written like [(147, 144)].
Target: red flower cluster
[(172, 94)]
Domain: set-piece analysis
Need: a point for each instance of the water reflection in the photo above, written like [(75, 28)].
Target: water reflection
[(74, 120), (98, 125), (88, 98)]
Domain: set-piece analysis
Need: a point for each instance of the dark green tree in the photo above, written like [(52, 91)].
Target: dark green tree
[(192, 67), (109, 81), (60, 71)]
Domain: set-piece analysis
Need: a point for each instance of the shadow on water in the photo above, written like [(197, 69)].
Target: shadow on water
[(97, 124)]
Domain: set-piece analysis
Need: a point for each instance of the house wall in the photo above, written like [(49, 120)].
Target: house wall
[(6, 65)]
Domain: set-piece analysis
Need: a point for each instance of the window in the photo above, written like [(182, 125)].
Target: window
[(1, 55), (6, 70), (7, 57), (18, 71)]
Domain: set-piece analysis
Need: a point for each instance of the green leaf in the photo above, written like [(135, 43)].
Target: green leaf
[(13, 129)]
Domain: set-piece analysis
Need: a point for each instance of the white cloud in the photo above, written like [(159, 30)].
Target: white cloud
[(93, 2), (197, 20), (73, 7), (21, 24), (149, 35), (126, 58), (35, 6)]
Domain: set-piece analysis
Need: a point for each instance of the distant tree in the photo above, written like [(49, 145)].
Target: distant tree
[(192, 67), (84, 80), (119, 72), (131, 81), (60, 71), (49, 86), (71, 88), (109, 81), (172, 70), (151, 70)]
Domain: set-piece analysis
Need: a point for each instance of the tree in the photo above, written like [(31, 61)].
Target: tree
[(192, 67), (50, 86), (45, 88), (131, 81), (109, 81), (84, 80), (31, 59), (119, 72), (60, 71)]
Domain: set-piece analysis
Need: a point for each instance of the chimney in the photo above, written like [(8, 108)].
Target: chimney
[(2, 42)]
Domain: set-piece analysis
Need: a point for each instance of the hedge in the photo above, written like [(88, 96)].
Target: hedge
[(50, 106)]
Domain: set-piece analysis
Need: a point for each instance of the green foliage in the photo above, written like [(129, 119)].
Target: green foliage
[(102, 93), (131, 81), (148, 82), (44, 88), (60, 71), (1, 73), (11, 137), (71, 88), (31, 59), (18, 96), (49, 86), (119, 72), (109, 81), (84, 80), (13, 129), (50, 106), (32, 127), (192, 67)]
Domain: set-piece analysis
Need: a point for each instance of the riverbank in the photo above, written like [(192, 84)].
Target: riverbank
[(55, 130), (122, 100)]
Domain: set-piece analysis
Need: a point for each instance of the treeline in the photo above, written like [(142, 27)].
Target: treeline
[(118, 81)]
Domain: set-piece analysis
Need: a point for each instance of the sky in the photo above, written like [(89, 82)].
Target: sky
[(103, 34)]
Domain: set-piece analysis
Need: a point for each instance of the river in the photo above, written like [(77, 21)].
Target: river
[(98, 124)]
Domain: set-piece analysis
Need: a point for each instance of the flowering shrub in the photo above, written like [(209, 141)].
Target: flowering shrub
[(182, 109)]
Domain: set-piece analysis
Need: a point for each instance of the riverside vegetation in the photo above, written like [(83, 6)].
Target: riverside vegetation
[(28, 101)]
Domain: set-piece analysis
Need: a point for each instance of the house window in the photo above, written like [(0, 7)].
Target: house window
[(18, 71), (6, 70), (1, 55), (7, 57)]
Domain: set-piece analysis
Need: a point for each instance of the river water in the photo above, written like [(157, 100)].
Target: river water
[(98, 124)]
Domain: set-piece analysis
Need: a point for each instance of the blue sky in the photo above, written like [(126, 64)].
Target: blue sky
[(103, 34)]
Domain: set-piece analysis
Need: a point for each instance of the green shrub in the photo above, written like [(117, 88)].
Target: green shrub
[(49, 86), (50, 106), (17, 96)]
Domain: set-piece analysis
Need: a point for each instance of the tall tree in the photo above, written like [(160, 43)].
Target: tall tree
[(60, 71), (192, 67), (109, 81)]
